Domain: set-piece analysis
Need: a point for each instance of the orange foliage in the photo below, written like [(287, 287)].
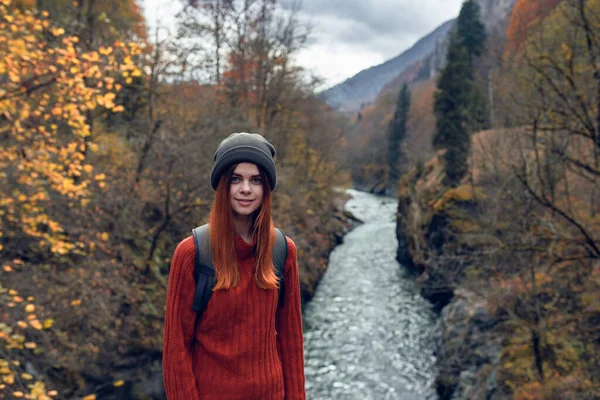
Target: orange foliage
[(525, 16), (48, 93), (421, 123)]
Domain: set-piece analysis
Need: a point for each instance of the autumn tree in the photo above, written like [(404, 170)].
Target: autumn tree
[(49, 88), (550, 244)]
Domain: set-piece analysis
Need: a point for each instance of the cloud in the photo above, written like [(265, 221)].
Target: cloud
[(350, 35)]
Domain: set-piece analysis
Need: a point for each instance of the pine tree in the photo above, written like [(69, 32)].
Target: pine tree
[(397, 131), (451, 102), (458, 104), (471, 31)]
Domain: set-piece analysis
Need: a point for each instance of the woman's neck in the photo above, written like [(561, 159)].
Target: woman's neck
[(242, 226)]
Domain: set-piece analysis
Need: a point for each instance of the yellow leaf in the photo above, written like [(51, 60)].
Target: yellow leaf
[(17, 299), (22, 324), (105, 50), (36, 324), (52, 393), (76, 302), (26, 376), (18, 394), (7, 268), (105, 236), (13, 77), (29, 308), (90, 397), (48, 323), (30, 345), (12, 292), (119, 383)]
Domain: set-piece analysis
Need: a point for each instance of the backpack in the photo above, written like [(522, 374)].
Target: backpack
[(204, 270)]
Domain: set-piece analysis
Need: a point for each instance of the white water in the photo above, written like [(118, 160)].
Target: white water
[(367, 331)]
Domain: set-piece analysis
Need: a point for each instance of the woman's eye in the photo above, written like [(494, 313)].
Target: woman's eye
[(256, 180), (235, 179)]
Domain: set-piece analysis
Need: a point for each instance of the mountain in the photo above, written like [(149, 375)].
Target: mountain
[(363, 87), (350, 95)]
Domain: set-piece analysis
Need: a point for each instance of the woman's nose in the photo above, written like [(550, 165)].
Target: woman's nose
[(245, 186)]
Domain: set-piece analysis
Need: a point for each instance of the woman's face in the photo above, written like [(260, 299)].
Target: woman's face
[(246, 190)]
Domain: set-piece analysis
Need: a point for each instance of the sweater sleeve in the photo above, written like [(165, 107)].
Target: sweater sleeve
[(290, 340), (180, 383)]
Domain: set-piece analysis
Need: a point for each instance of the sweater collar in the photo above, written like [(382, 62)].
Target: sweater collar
[(242, 248)]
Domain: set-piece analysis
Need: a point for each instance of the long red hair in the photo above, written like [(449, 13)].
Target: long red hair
[(222, 237)]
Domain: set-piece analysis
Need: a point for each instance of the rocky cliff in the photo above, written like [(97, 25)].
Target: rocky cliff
[(430, 221)]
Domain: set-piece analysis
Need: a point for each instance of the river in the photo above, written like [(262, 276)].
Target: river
[(367, 331)]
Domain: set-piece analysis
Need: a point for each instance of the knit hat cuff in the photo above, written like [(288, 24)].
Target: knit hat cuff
[(241, 154)]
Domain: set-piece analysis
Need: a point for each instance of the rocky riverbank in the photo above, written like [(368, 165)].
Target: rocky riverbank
[(428, 220)]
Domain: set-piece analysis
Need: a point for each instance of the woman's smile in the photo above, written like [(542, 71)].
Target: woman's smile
[(244, 202)]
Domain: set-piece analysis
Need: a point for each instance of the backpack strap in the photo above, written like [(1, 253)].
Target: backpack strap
[(280, 251), (204, 270)]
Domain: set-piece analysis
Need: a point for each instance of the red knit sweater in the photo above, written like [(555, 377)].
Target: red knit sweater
[(244, 347)]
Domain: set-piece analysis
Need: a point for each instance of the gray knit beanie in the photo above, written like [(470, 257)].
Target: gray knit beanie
[(244, 147)]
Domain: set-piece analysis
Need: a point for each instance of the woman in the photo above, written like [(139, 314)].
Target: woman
[(244, 346)]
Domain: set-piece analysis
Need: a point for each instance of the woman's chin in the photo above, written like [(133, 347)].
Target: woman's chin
[(243, 212)]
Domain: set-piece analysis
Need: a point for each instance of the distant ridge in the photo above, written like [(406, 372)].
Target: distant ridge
[(363, 87)]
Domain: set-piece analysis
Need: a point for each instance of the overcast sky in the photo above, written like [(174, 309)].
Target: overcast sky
[(349, 35)]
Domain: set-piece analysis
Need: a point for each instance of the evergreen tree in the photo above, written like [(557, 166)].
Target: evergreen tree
[(450, 107), (471, 31), (397, 131), (458, 102)]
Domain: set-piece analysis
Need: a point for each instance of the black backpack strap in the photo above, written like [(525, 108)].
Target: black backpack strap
[(280, 251), (204, 270)]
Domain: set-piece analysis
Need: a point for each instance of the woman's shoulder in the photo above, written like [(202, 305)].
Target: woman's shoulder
[(292, 251), (185, 251), (290, 244)]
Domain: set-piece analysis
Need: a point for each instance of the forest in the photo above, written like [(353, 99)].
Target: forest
[(107, 142), (107, 133)]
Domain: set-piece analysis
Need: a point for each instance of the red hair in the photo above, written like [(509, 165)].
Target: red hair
[(222, 237)]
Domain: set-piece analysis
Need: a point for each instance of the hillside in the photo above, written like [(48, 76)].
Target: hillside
[(352, 94)]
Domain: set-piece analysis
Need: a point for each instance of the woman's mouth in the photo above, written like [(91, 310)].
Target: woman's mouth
[(245, 203)]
